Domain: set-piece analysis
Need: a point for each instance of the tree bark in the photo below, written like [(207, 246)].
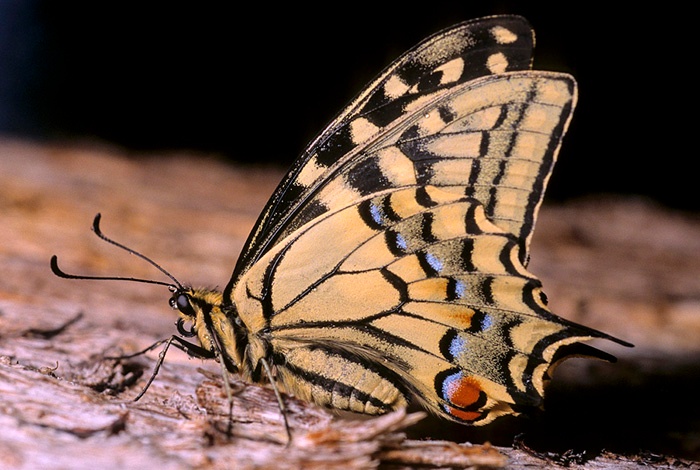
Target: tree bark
[(623, 266)]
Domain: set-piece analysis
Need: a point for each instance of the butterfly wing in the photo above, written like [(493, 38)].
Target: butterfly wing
[(390, 263), (431, 69), (417, 287), (424, 297)]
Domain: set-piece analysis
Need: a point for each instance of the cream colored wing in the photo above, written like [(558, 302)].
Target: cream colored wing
[(415, 295)]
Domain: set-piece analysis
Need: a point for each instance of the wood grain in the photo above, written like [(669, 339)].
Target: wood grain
[(625, 266)]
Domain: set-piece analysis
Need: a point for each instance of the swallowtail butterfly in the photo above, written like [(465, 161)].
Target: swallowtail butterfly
[(389, 265)]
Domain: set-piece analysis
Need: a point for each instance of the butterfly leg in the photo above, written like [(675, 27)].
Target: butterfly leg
[(191, 349), (280, 402)]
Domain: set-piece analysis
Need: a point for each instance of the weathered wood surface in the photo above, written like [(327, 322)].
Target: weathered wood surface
[(623, 266)]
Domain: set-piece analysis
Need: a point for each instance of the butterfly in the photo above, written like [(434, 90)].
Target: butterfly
[(390, 265)]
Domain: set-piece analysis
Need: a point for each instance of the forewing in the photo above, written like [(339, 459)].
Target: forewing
[(433, 68), (494, 139)]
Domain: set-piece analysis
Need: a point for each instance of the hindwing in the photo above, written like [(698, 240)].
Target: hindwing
[(419, 295)]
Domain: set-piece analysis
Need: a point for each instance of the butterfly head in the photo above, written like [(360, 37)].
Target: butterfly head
[(219, 332), (182, 301)]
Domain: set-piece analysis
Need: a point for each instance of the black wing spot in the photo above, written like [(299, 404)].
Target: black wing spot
[(423, 198), (467, 253), (366, 177), (335, 147), (427, 227)]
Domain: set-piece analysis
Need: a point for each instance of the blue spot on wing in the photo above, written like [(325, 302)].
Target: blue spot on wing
[(486, 322), (450, 384), (481, 321), (373, 214), (397, 244), (401, 242), (460, 288), (457, 346), (376, 213), (434, 262)]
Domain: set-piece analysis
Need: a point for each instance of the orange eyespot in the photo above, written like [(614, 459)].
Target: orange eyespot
[(462, 391), (469, 416), (463, 394)]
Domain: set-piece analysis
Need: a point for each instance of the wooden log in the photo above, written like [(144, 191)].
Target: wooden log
[(624, 266)]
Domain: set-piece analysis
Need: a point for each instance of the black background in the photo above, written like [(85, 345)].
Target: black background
[(256, 82)]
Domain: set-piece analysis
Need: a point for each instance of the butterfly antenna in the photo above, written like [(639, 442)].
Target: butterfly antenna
[(96, 228)]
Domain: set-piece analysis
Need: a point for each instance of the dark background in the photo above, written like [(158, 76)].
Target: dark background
[(257, 82)]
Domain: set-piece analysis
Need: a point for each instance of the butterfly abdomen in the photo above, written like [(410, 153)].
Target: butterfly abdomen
[(338, 379)]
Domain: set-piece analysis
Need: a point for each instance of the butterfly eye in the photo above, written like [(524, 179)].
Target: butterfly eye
[(183, 304)]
